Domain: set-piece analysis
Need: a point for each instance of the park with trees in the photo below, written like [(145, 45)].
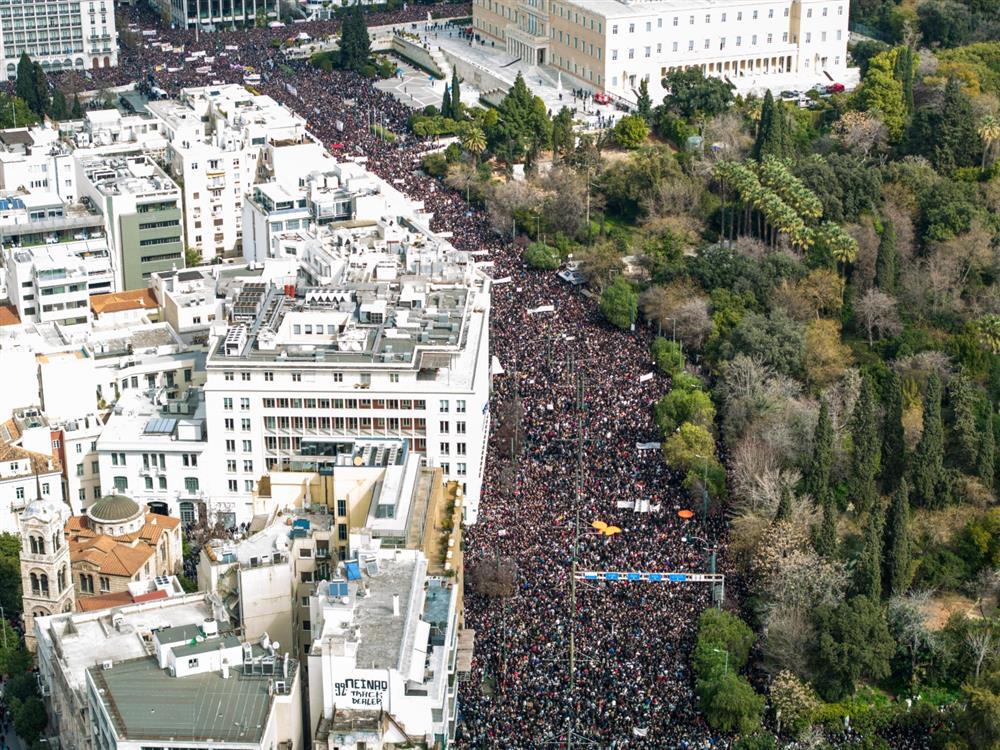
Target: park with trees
[(822, 286)]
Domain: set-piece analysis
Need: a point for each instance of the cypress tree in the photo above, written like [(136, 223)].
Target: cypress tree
[(965, 437), (887, 260), (896, 561), (986, 460), (893, 439), (25, 85), (868, 573), (644, 105), (903, 72), (826, 539), (770, 137), (446, 103), (77, 111), (355, 44), (928, 461), (456, 94), (865, 459), (817, 475), (42, 99), (784, 511), (59, 108)]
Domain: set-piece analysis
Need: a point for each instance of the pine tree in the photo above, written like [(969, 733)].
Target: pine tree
[(868, 572), (355, 44), (887, 260), (817, 476), (826, 539), (25, 85), (893, 439), (456, 95), (784, 511), (77, 112), (965, 437), (644, 105), (866, 456), (896, 560), (42, 99), (929, 488), (446, 103)]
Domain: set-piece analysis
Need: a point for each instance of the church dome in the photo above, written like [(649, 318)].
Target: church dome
[(114, 509)]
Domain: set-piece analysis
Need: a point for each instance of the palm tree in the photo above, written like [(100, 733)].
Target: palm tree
[(988, 328), (989, 132), (474, 141)]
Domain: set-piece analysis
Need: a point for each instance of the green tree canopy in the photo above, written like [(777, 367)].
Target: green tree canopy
[(619, 303), (355, 44), (852, 641), (693, 96)]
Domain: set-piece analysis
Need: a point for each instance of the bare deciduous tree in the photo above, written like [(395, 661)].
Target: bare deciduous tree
[(877, 311)]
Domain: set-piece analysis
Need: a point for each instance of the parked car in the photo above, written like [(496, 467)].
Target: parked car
[(835, 88), (789, 95)]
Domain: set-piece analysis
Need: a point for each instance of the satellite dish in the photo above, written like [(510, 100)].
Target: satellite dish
[(358, 460)]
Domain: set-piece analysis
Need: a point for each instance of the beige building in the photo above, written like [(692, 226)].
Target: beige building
[(612, 45)]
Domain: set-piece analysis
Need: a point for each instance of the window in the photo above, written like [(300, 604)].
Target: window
[(163, 483), (228, 375), (460, 428), (148, 482), (227, 404), (105, 584), (443, 427), (305, 552), (614, 54), (444, 406), (341, 507), (231, 467), (231, 484), (247, 446), (190, 459), (269, 377), (708, 18), (460, 449), (338, 377), (614, 29), (707, 43), (244, 376), (755, 15), (460, 469), (770, 13), (190, 484), (228, 423), (648, 51), (248, 467), (342, 532), (393, 377), (691, 45), (445, 449), (245, 425), (19, 493), (248, 485), (121, 484), (86, 583), (306, 625), (296, 377), (808, 38), (809, 13), (230, 446), (244, 404)]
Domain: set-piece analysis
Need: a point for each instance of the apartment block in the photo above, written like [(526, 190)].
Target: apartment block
[(77, 35)]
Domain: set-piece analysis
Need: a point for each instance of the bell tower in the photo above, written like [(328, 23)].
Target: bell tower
[(46, 575)]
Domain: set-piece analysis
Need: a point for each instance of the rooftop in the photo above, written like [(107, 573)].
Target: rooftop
[(137, 176), (146, 703), (137, 299)]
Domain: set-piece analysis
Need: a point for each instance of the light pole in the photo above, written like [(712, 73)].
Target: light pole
[(725, 667), (704, 489)]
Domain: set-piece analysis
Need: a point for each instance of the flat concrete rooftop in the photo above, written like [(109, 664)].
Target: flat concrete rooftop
[(145, 702)]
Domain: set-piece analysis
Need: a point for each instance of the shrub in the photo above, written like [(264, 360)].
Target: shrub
[(541, 256)]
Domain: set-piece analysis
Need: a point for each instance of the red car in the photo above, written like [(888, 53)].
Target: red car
[(835, 88)]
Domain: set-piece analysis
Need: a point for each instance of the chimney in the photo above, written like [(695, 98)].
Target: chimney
[(395, 605)]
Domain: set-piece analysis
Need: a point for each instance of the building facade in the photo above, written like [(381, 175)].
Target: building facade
[(612, 45), (220, 14), (78, 35), (142, 215), (45, 563)]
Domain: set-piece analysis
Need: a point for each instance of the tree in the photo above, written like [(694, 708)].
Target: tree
[(929, 482), (896, 561), (881, 94), (644, 105), (695, 97), (989, 133), (887, 260), (355, 44), (868, 572), (945, 133), (630, 131), (59, 107), (823, 355), (562, 133), (14, 112), (30, 718), (474, 141), (795, 701), (523, 127), (42, 100), (772, 138), (817, 472), (980, 722), (25, 85), (893, 437), (730, 704), (684, 405), (691, 448), (619, 303), (964, 423), (826, 538), (456, 95), (877, 312), (724, 642), (852, 641), (944, 22), (77, 110), (446, 103), (541, 256), (667, 355)]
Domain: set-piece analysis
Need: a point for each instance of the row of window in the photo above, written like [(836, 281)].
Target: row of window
[(19, 491), (341, 424), (403, 404), (87, 583)]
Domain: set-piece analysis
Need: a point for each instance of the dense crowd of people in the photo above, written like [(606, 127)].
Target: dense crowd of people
[(632, 685)]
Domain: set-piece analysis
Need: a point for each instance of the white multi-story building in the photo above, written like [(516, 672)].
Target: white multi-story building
[(137, 676), (142, 214), (50, 284), (612, 45), (217, 14), (396, 344), (35, 159), (77, 35), (155, 454), (73, 443), (218, 135)]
